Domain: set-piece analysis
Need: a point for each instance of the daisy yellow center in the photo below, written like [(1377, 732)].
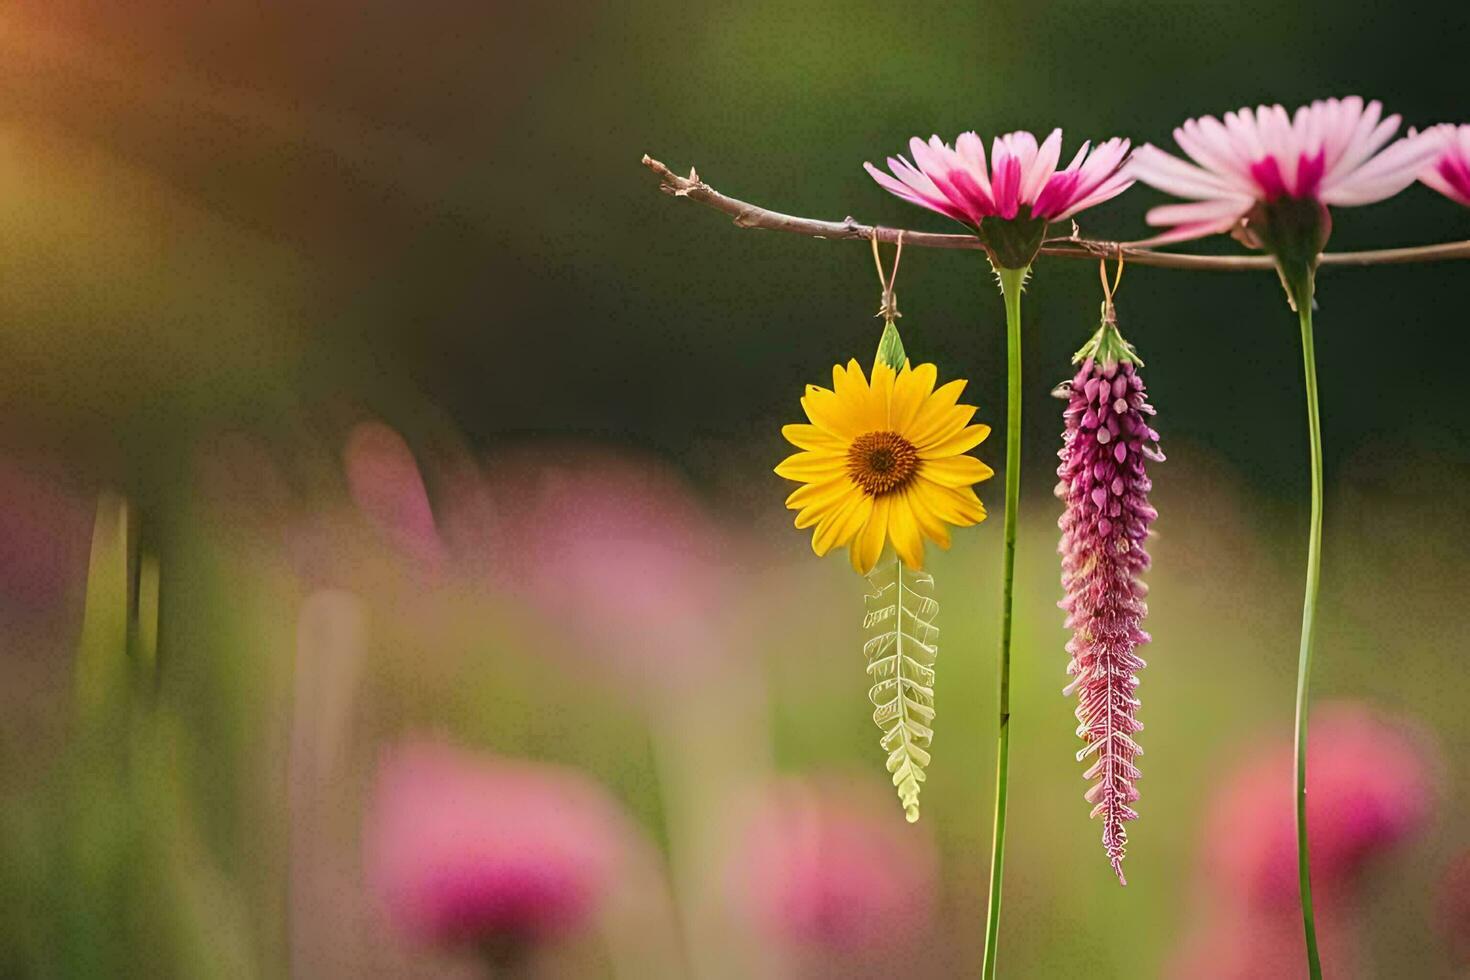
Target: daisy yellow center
[(881, 462)]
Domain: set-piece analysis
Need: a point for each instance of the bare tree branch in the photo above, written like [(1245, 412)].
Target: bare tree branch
[(751, 216)]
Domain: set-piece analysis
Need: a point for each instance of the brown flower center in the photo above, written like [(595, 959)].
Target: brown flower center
[(881, 462)]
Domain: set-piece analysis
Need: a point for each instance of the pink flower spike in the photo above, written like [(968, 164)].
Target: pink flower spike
[(1107, 442), (1021, 183), (1328, 153), (1449, 170)]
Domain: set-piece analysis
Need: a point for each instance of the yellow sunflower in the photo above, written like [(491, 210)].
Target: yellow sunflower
[(884, 461)]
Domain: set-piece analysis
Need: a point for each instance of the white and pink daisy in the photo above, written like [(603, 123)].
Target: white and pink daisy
[(1021, 187), (1331, 152), (1449, 169)]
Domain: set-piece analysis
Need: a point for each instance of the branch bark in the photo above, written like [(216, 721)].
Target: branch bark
[(753, 216)]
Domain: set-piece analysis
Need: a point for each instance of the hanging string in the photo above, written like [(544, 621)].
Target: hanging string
[(1110, 290), (888, 308)]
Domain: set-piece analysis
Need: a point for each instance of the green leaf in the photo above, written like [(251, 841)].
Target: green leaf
[(900, 651)]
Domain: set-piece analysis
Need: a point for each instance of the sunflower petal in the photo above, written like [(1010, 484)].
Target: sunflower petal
[(936, 407), (804, 436), (953, 505), (957, 471), (816, 498), (842, 523), (810, 467), (903, 528), (849, 382), (868, 544), (830, 414), (953, 420), (911, 390), (934, 529), (961, 442), (880, 407)]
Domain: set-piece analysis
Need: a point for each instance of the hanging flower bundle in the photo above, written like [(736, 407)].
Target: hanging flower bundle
[(884, 468), (883, 459), (1107, 442)]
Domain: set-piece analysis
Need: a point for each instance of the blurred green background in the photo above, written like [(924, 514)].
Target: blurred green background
[(259, 225)]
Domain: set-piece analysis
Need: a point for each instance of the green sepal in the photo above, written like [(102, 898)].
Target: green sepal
[(890, 348), (1294, 231), (1107, 344), (1013, 243)]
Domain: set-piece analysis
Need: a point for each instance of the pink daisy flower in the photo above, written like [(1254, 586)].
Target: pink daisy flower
[(1253, 165), (1372, 784), (1449, 171), (1010, 202)]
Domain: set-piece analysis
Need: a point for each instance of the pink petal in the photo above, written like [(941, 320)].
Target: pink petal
[(1186, 232), (1041, 169), (1169, 173), (1207, 141), (1007, 185), (1244, 133), (971, 149), (1055, 197), (1267, 174), (1450, 173), (914, 187), (1109, 189), (1199, 211), (1367, 136), (1385, 175)]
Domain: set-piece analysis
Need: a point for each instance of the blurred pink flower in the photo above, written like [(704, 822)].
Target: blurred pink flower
[(1328, 153), (618, 551), (1449, 170), (830, 865), (1265, 945), (1452, 907), (1370, 785), (45, 535), (383, 478), (472, 849)]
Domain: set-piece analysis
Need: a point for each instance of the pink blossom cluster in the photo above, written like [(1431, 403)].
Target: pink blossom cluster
[(1106, 446)]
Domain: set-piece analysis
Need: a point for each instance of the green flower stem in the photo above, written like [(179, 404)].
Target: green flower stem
[(1309, 625), (1011, 283)]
